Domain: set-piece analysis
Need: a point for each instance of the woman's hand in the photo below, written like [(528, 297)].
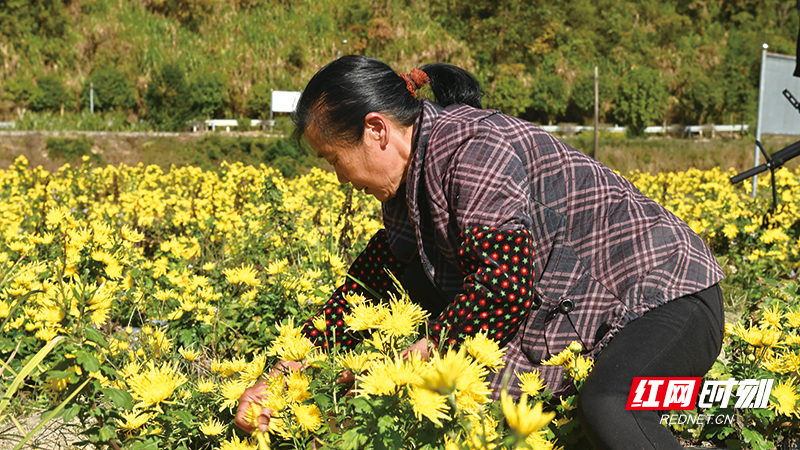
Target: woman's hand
[(423, 347), (258, 394), (255, 394)]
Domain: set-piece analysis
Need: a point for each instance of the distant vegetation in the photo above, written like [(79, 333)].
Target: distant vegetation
[(155, 64)]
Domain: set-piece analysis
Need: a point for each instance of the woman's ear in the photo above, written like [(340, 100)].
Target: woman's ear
[(377, 129)]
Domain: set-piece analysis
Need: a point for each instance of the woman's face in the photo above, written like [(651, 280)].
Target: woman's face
[(377, 165)]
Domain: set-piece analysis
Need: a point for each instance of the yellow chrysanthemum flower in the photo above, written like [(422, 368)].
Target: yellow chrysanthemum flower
[(770, 337), (291, 344), (428, 404), (277, 401), (189, 355), (580, 368), (244, 274), (793, 318), (356, 362), (792, 339), (252, 414), (308, 417), (277, 267), (771, 317), (482, 433), (130, 235), (297, 386), (354, 298), (206, 386), (521, 418), (401, 318), (130, 369), (566, 403), (316, 357), (538, 441), (217, 367), (730, 230), (791, 362), (134, 420), (472, 390), (386, 376), (212, 428), (365, 316), (530, 382), (445, 370), (786, 397), (235, 444), (486, 351), (563, 358), (751, 335), (230, 391), (156, 384), (159, 343), (235, 365), (292, 349), (319, 322), (253, 370), (56, 216)]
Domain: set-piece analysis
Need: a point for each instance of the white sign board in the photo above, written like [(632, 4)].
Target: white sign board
[(778, 116), (284, 101)]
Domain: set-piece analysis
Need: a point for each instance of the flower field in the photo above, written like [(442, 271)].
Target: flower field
[(137, 305)]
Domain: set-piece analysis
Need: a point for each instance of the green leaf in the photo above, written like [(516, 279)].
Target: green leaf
[(107, 433), (386, 423), (354, 438), (95, 336), (51, 414), (361, 405), (185, 417), (323, 401), (755, 439), (718, 432), (61, 374), (146, 445), (87, 360), (32, 364), (70, 413), (120, 398)]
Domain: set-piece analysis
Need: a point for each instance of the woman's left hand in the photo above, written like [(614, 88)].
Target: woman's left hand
[(424, 347)]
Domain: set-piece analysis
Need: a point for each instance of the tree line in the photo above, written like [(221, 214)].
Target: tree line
[(165, 62)]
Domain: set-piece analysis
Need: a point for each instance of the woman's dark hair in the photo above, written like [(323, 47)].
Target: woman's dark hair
[(342, 93)]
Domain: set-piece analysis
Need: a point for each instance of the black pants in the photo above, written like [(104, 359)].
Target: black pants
[(680, 338)]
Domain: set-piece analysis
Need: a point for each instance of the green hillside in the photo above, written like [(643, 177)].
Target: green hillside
[(158, 63)]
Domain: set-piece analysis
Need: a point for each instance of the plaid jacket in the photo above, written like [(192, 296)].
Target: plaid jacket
[(604, 253)]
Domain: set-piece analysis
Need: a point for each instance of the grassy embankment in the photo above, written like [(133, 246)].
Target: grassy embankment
[(652, 155)]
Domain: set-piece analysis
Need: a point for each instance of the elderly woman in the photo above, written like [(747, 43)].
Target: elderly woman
[(497, 227)]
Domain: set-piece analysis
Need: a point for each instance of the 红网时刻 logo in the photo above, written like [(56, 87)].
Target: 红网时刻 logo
[(684, 393)]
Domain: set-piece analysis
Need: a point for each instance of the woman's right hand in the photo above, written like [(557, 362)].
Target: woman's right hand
[(256, 394)]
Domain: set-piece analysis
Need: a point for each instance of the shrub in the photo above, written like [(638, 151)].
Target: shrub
[(20, 90), (209, 95), (70, 149), (258, 104), (288, 156), (50, 95), (112, 90), (642, 100), (168, 98), (549, 96)]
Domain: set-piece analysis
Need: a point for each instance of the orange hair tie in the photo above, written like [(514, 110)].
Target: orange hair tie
[(415, 80)]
